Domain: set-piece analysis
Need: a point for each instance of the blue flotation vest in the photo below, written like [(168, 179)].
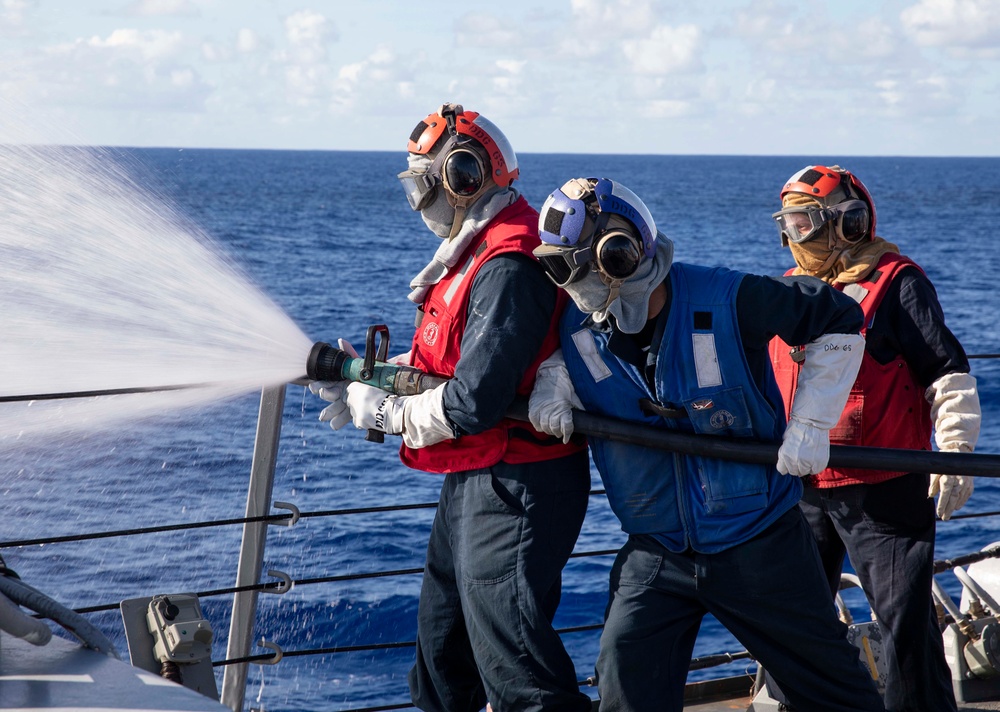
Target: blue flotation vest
[(702, 385)]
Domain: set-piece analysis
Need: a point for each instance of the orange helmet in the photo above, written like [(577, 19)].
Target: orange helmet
[(453, 117), (844, 201), (470, 149)]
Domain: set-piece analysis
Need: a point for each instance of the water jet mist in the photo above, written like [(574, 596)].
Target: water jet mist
[(106, 287)]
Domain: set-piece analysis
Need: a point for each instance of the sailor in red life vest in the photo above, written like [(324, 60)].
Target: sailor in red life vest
[(914, 378), (513, 499)]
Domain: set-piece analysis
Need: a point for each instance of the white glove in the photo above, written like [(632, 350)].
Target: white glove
[(336, 414), (402, 359), (956, 414), (824, 383), (805, 449), (420, 419), (374, 409), (424, 421), (552, 399), (953, 490)]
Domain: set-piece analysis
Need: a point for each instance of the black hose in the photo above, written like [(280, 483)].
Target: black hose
[(842, 456), (766, 453), (741, 450)]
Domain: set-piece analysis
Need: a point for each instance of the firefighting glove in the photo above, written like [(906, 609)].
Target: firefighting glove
[(374, 409), (831, 366), (420, 419), (552, 399), (956, 414)]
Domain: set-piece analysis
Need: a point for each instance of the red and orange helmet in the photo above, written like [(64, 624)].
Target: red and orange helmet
[(844, 199), (427, 134)]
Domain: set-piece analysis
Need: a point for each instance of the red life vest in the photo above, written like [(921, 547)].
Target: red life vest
[(886, 407), (437, 346)]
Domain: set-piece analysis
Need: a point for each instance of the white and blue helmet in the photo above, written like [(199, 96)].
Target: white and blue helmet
[(576, 236)]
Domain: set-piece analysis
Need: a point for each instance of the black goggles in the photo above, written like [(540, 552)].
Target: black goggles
[(615, 255)]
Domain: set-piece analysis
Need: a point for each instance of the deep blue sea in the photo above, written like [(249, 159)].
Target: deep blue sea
[(330, 238)]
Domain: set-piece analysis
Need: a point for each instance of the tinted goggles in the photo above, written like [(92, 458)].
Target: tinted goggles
[(615, 255)]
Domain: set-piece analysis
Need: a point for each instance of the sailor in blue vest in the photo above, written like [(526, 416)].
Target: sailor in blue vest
[(684, 347)]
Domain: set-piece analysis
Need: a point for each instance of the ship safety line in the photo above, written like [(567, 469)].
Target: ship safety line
[(276, 518)]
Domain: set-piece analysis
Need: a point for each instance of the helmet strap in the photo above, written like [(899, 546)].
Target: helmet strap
[(835, 254), (614, 289), (456, 224)]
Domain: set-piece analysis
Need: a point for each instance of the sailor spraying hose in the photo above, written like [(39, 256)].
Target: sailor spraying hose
[(514, 499)]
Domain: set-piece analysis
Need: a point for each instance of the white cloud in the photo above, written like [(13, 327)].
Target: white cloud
[(594, 26), (308, 30), (666, 50), (731, 70), (247, 40), (889, 92), (485, 30), (161, 8), (378, 80), (13, 11), (953, 23), (511, 66), (127, 69), (869, 39), (214, 52), (612, 19), (13, 14), (665, 109), (150, 45), (305, 64)]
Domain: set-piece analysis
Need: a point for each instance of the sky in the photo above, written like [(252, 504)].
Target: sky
[(748, 77)]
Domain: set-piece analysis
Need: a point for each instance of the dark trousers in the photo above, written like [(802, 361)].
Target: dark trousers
[(887, 530), (491, 586), (769, 592)]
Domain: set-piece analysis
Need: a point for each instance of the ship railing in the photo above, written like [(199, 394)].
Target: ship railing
[(249, 571), (294, 514)]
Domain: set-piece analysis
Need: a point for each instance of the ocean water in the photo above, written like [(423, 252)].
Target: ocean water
[(328, 236)]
